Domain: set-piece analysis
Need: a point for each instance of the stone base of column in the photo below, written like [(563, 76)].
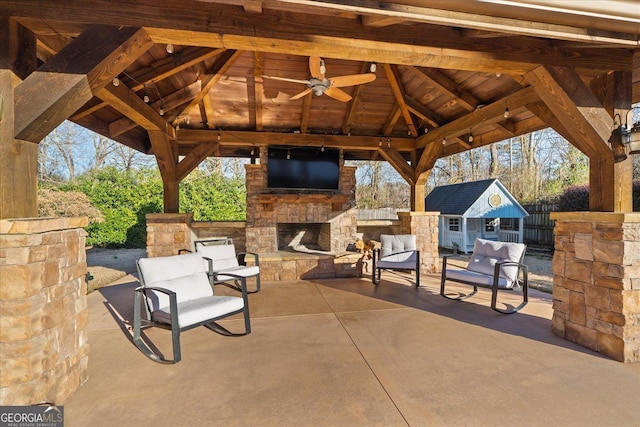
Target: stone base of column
[(425, 227), (167, 233), (43, 310), (596, 284)]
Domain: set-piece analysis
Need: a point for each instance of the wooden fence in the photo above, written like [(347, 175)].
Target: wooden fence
[(538, 227)]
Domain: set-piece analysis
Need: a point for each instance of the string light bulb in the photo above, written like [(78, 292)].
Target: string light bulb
[(380, 142), (161, 112), (373, 67), (323, 69), (218, 136), (169, 48), (116, 81), (506, 112), (444, 140), (322, 148), (470, 137), (288, 154), (388, 142)]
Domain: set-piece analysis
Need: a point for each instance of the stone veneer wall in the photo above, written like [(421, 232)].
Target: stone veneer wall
[(596, 282), (425, 226), (43, 310), (168, 233)]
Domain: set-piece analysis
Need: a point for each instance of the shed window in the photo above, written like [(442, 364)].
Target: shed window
[(491, 224), (454, 224)]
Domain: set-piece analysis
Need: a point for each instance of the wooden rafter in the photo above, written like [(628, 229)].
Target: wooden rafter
[(392, 119), (67, 81), (306, 113), (258, 89), (489, 114), (129, 104), (195, 157), (157, 72), (398, 91), (580, 112), (169, 103), (399, 163)]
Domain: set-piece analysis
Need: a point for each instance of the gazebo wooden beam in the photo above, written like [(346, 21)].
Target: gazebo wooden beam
[(68, 80)]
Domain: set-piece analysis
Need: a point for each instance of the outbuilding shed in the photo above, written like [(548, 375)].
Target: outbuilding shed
[(479, 209)]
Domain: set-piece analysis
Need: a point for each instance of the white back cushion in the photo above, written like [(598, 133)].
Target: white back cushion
[(183, 274), (223, 256), (487, 253), (394, 243)]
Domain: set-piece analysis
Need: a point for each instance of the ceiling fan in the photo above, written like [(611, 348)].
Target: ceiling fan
[(319, 84)]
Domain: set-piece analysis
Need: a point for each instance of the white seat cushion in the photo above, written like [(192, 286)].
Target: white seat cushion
[(477, 278), (403, 261), (222, 256), (487, 253), (248, 271), (201, 309)]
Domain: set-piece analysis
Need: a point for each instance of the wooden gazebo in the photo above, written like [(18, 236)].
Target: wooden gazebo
[(188, 79)]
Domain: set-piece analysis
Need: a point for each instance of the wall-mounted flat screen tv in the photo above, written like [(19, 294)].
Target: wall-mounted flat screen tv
[(303, 168)]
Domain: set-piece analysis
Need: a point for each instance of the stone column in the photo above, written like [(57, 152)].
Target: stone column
[(167, 233), (43, 310), (596, 283), (425, 226)]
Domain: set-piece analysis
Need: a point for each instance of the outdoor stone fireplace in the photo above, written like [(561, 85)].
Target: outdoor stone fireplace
[(327, 221), (298, 234)]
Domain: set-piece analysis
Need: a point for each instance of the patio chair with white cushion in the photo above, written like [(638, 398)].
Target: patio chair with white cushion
[(226, 265), (494, 265), (176, 294), (397, 252)]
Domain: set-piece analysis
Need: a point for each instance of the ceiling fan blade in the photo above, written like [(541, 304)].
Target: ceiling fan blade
[(285, 79), (354, 79), (315, 67), (338, 94), (300, 95)]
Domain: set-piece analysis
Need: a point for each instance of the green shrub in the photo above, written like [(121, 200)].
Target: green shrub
[(576, 198)]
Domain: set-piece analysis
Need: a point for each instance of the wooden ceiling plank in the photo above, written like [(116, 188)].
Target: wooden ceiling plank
[(355, 102), (581, 113), (67, 81), (217, 71), (447, 86), (398, 91)]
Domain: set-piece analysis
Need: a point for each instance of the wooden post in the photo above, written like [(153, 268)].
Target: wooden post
[(166, 152), (18, 159)]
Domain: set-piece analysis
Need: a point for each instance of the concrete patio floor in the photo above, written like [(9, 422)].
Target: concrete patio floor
[(343, 352)]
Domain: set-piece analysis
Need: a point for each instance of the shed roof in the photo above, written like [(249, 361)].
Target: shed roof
[(471, 200)]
